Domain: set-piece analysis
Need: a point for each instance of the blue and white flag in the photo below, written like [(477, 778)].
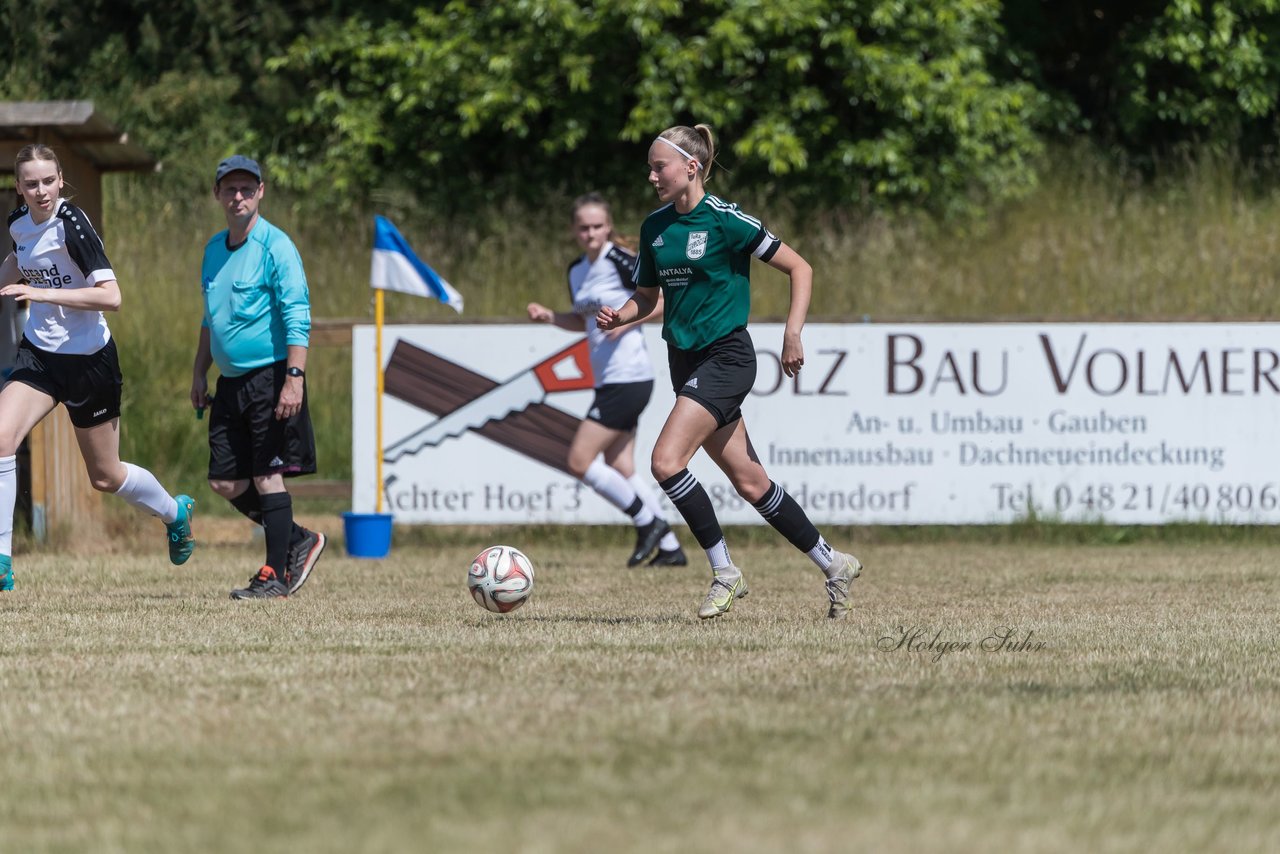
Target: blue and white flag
[(396, 268)]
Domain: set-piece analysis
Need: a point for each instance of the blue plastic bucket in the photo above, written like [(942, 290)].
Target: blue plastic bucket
[(368, 534)]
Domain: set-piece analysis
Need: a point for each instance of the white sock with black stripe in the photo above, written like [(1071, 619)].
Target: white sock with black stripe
[(609, 483)]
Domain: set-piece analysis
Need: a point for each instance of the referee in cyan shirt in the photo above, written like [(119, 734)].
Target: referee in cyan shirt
[(256, 327)]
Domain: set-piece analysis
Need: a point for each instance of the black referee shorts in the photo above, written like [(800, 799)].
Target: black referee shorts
[(718, 376), (246, 440), (88, 385)]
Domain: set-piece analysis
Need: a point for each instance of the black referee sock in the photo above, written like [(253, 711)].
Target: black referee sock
[(249, 503), (695, 506), (277, 519), (782, 512)]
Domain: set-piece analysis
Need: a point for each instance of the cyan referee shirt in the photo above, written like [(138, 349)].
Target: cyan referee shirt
[(256, 302)]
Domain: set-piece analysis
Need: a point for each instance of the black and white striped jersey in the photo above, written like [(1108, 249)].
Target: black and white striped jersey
[(607, 281), (64, 251)]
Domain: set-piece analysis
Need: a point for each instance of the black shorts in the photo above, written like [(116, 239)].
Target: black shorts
[(246, 440), (88, 385), (719, 376), (618, 405)]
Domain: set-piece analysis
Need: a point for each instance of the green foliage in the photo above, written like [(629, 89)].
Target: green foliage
[(874, 103), (1154, 77), (187, 78), (1207, 70), (934, 105)]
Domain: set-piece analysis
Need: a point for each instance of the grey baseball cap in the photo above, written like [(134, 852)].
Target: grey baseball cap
[(237, 163)]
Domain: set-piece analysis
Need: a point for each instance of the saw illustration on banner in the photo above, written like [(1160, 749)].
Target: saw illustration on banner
[(565, 370)]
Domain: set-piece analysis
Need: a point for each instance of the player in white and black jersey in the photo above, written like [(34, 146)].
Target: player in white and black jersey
[(602, 454), (59, 266)]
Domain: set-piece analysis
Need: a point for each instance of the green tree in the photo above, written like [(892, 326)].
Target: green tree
[(866, 102), (1156, 75), (187, 77)]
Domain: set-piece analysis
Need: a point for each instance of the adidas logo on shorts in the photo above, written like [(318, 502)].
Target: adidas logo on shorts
[(276, 461), (693, 383)]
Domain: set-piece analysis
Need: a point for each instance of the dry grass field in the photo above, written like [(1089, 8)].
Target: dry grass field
[(381, 710)]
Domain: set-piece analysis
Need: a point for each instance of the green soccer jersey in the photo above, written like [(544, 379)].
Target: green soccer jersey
[(702, 262)]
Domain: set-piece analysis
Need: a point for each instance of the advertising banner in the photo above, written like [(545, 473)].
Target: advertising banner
[(886, 424)]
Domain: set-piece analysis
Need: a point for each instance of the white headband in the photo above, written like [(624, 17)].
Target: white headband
[(687, 155)]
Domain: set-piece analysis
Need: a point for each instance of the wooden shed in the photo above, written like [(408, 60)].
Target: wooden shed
[(51, 474)]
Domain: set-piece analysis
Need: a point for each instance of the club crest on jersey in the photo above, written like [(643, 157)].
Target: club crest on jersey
[(697, 245)]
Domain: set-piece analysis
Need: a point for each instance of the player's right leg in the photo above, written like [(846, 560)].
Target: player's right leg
[(21, 408), (100, 447), (688, 426), (620, 456)]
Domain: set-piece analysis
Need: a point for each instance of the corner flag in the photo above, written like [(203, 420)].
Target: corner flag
[(397, 268)]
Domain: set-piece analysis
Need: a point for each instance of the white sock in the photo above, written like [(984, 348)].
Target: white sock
[(668, 543), (142, 490), (718, 555), (615, 489), (821, 554), (8, 501)]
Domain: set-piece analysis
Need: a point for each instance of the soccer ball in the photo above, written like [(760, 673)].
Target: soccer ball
[(500, 579)]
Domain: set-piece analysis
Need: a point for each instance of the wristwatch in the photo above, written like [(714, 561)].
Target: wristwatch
[(295, 372)]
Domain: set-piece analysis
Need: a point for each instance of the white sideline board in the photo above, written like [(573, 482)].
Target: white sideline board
[(897, 424)]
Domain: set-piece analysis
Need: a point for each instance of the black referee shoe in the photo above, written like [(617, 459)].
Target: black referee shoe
[(302, 558), (263, 585), (647, 539)]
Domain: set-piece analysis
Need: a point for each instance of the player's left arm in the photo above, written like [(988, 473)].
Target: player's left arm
[(800, 273), (294, 300), (289, 291)]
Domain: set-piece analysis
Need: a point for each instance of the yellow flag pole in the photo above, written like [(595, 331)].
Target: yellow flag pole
[(377, 320)]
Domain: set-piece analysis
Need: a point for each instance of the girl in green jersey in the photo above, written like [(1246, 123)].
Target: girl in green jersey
[(697, 251)]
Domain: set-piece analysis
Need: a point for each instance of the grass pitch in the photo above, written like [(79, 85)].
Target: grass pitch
[(382, 710)]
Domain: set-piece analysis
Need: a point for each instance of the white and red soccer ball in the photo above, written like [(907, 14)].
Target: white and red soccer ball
[(500, 579)]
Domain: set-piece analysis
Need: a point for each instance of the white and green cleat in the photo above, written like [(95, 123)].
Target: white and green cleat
[(844, 569), (6, 573), (726, 586)]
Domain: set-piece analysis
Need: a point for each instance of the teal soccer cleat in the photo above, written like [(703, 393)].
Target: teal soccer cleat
[(181, 542)]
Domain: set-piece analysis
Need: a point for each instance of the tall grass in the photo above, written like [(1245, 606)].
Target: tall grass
[(1094, 242)]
